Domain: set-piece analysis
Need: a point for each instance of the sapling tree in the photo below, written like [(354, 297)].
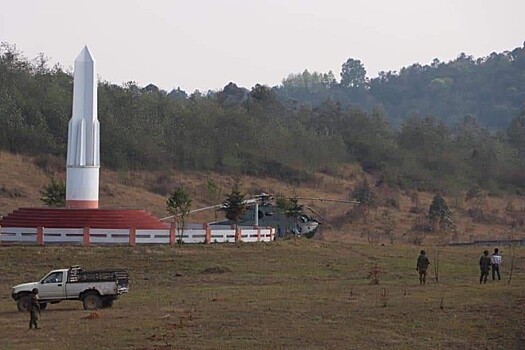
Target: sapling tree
[(439, 214), (54, 194), (292, 212), (512, 250), (441, 222), (178, 205), (234, 205), (365, 197)]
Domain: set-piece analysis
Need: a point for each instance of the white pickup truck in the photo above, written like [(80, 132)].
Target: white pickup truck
[(96, 289)]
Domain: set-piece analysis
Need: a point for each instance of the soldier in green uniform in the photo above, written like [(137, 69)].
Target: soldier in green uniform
[(34, 307), (484, 266), (421, 267)]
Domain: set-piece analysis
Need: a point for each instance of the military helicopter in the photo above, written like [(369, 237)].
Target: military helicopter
[(288, 219)]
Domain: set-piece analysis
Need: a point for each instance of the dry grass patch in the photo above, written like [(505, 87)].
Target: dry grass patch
[(287, 294)]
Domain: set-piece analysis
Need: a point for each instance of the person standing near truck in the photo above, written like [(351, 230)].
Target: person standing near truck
[(34, 307)]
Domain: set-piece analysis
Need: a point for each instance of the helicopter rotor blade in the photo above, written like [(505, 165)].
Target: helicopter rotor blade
[(328, 200), (193, 211), (246, 202), (313, 211)]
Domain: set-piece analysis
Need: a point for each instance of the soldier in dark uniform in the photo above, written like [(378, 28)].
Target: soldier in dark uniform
[(484, 266), (422, 265), (34, 307)]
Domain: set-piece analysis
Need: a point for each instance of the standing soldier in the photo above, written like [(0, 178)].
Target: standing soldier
[(34, 307), (422, 265), (484, 266), (496, 262)]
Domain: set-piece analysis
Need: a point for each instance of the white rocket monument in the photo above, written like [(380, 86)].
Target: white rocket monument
[(83, 146)]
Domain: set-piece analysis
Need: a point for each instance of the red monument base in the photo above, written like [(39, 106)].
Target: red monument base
[(80, 218)]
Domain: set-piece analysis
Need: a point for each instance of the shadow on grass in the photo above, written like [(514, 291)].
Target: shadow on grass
[(46, 311)]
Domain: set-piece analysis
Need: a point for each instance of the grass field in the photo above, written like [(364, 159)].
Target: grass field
[(289, 294)]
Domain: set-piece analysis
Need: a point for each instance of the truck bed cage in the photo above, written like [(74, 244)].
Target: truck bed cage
[(77, 275)]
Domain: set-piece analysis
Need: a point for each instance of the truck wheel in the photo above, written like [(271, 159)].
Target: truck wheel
[(23, 303), (43, 306), (92, 301)]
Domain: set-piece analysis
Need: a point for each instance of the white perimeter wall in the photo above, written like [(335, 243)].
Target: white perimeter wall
[(219, 234)]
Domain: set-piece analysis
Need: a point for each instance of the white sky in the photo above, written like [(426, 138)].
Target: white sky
[(205, 44)]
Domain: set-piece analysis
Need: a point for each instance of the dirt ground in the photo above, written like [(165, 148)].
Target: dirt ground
[(289, 294)]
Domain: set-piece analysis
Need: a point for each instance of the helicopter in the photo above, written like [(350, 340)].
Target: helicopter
[(264, 210)]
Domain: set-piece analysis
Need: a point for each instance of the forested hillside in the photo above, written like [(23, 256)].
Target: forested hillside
[(491, 89), (257, 132)]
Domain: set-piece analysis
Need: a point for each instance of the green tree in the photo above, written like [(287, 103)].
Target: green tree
[(516, 133), (293, 211), (262, 93), (13, 123), (365, 197), (54, 194), (212, 188), (178, 94), (178, 205), (234, 205), (231, 95), (353, 73), (439, 214), (293, 208)]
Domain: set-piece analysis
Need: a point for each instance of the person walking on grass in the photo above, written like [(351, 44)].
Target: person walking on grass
[(484, 266), (495, 260), (421, 267), (34, 307)]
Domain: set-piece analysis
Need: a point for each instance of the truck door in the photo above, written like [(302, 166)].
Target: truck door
[(52, 286)]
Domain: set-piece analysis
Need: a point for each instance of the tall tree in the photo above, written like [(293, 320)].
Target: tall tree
[(353, 73), (516, 133), (178, 204), (234, 205), (439, 214), (293, 211), (231, 95)]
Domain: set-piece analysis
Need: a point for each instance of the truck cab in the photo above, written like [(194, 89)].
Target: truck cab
[(53, 286)]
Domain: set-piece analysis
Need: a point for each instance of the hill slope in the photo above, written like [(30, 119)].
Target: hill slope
[(399, 217)]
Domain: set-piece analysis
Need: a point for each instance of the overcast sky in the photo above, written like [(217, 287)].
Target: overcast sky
[(208, 43)]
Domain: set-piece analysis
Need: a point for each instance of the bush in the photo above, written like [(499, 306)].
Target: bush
[(416, 210), (11, 192), (392, 203), (162, 185), (364, 194), (479, 216), (54, 194), (422, 224), (473, 193)]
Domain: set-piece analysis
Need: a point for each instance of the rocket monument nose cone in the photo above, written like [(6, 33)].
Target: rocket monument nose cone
[(85, 56)]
